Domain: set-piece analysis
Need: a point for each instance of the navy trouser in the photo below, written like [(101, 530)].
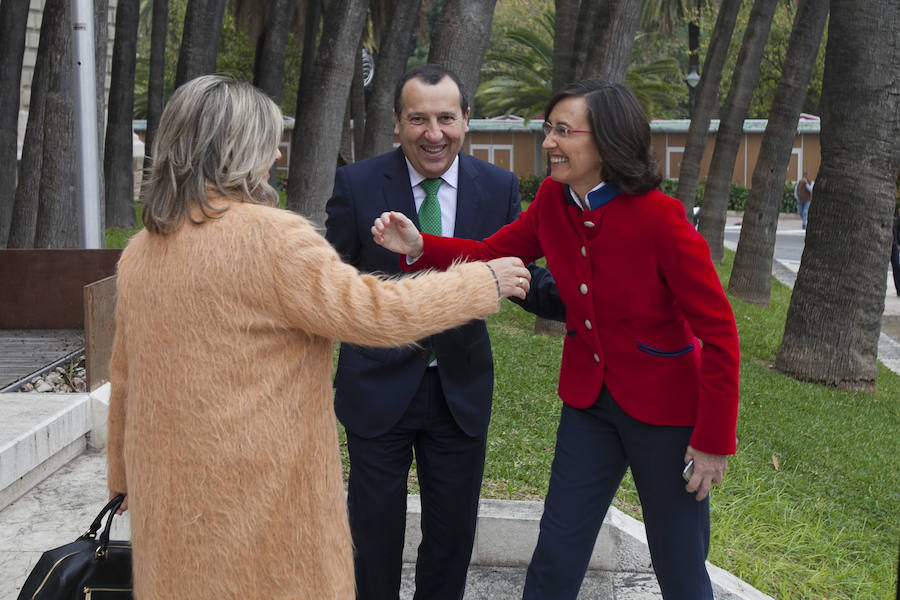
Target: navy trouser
[(594, 447), (449, 466)]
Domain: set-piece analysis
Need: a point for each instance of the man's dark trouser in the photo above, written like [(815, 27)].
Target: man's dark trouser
[(449, 466)]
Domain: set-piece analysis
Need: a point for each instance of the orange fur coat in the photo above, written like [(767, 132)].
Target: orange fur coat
[(221, 428)]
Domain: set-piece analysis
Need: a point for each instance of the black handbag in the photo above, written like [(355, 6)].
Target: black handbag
[(89, 568)]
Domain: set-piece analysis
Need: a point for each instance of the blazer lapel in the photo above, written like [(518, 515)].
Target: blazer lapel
[(396, 191), (468, 199)]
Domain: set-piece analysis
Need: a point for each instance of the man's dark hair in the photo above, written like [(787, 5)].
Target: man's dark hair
[(431, 74), (621, 133)]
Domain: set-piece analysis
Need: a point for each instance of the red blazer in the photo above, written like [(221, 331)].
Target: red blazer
[(640, 289)]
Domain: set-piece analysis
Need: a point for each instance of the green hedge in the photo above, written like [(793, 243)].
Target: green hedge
[(737, 198)]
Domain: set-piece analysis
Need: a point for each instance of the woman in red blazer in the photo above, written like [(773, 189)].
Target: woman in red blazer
[(650, 366)]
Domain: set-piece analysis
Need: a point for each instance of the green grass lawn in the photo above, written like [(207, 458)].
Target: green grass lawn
[(825, 524)]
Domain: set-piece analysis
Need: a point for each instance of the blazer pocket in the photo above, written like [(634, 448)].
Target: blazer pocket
[(664, 353)]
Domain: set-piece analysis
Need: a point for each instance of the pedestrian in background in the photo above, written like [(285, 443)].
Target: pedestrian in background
[(803, 191)]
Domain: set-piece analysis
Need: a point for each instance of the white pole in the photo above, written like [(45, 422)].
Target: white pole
[(88, 145)]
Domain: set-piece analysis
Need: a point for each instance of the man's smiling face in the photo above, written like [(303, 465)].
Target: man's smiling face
[(431, 126)]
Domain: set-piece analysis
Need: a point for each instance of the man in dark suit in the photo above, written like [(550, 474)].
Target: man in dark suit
[(433, 400)]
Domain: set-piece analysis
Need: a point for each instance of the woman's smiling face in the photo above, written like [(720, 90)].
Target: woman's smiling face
[(574, 159)]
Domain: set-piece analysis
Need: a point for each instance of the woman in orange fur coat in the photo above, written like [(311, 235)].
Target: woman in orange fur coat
[(221, 429)]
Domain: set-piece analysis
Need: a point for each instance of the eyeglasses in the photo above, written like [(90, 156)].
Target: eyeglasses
[(560, 131)]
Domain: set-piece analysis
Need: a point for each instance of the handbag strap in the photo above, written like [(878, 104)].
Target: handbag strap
[(111, 507)]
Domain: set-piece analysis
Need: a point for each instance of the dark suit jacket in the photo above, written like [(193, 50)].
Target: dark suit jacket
[(374, 386)]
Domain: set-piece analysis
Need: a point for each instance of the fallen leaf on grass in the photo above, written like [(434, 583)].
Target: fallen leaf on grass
[(775, 463)]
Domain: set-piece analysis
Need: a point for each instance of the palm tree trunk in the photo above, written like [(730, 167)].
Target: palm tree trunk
[(610, 58), (706, 99), (157, 79), (13, 23), (731, 128), (751, 274), (460, 39), (320, 110), (57, 223), (268, 73), (564, 51), (389, 67), (834, 319), (117, 160), (199, 39)]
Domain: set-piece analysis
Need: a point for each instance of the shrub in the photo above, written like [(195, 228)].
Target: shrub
[(528, 186), (737, 197)]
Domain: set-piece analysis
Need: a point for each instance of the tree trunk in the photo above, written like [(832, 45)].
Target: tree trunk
[(117, 160), (834, 319), (564, 51), (731, 128), (268, 73), (13, 23), (610, 57), (58, 223), (357, 105), (460, 39), (751, 274), (706, 99), (25, 209), (157, 79), (591, 17), (389, 67), (199, 39), (317, 130), (308, 61)]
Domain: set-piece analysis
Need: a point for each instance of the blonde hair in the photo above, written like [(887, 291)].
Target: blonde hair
[(216, 136)]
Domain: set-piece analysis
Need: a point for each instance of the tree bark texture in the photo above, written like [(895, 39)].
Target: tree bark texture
[(751, 275), (592, 19), (157, 79), (389, 66), (13, 23), (271, 50), (731, 128), (706, 100), (316, 140), (564, 51), (358, 105), (199, 39), (24, 218), (610, 58), (58, 223), (117, 160), (460, 39), (311, 24), (834, 319)]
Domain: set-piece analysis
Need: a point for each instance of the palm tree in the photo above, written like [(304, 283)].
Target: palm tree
[(520, 82), (13, 21), (752, 271), (731, 128), (834, 319)]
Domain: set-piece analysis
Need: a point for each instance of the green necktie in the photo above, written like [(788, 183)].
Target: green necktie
[(430, 217), (430, 211)]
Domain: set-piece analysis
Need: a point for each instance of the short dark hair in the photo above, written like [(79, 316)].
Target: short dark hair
[(621, 133), (431, 74)]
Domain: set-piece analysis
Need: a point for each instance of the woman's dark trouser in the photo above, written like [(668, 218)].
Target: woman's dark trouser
[(594, 447)]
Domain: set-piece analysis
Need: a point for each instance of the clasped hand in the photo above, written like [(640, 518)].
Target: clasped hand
[(397, 233)]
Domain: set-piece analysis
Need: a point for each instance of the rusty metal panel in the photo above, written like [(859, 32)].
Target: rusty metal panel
[(99, 327), (42, 289)]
